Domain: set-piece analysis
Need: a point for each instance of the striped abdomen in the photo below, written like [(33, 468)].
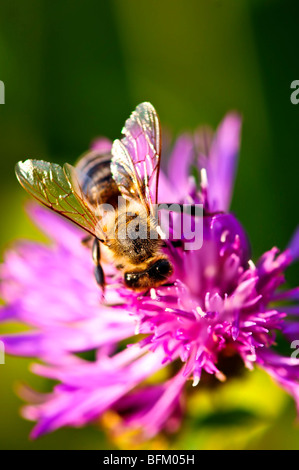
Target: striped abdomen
[(96, 180)]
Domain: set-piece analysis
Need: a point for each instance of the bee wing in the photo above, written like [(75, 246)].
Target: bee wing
[(135, 159), (58, 189)]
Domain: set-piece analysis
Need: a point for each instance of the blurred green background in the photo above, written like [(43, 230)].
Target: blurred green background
[(75, 70)]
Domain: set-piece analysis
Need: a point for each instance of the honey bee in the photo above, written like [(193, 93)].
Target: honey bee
[(126, 179)]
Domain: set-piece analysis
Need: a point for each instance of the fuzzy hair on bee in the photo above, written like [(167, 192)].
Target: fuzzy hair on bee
[(136, 247)]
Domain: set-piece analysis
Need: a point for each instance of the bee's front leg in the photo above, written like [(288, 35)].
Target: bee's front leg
[(98, 270), (174, 243)]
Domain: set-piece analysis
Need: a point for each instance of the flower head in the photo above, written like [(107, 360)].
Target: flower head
[(219, 306)]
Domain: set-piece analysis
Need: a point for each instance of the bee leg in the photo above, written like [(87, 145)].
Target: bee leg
[(98, 270), (145, 293), (174, 243)]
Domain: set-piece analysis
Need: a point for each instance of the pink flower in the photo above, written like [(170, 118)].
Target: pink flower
[(220, 305)]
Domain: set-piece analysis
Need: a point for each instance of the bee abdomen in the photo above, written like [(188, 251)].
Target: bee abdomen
[(96, 179)]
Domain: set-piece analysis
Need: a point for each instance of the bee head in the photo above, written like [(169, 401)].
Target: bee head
[(157, 273)]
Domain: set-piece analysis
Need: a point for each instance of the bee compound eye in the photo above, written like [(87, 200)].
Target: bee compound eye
[(131, 279), (163, 267), (160, 270)]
